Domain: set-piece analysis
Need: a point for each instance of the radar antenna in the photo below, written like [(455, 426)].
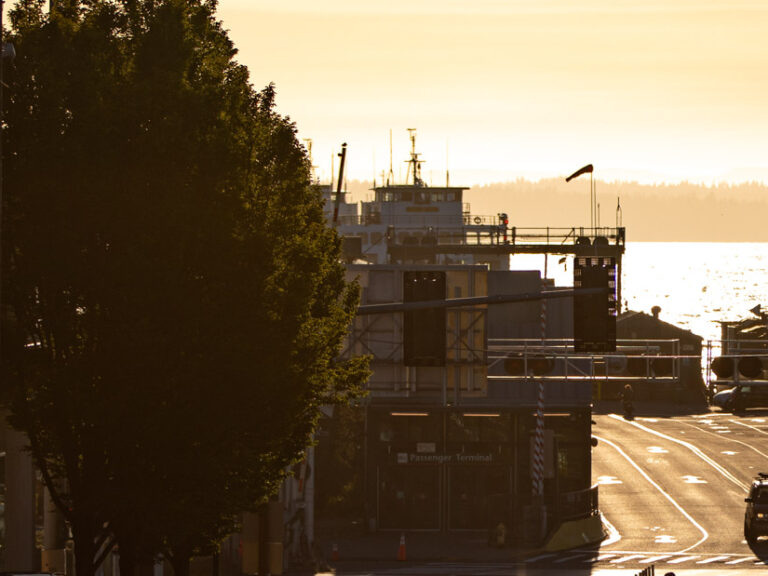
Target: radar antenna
[(414, 163)]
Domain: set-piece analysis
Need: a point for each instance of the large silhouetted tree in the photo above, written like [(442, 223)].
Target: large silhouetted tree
[(173, 302)]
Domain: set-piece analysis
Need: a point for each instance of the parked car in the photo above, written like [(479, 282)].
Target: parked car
[(749, 396), (756, 514)]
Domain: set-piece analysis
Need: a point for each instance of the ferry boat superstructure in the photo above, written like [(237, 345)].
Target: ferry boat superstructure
[(414, 223), (409, 222)]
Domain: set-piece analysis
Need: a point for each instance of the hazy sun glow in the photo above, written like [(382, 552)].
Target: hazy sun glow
[(498, 89)]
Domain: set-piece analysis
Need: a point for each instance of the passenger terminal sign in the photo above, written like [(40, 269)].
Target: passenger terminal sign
[(460, 458)]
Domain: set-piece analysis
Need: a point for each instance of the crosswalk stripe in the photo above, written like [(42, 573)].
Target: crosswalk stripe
[(740, 560), (654, 559), (682, 559), (639, 558), (599, 558), (626, 558), (568, 558), (715, 559), (539, 557)]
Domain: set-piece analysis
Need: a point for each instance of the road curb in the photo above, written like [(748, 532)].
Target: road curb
[(577, 533)]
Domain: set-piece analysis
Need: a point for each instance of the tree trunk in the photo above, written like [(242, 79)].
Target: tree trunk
[(85, 547), (127, 559), (180, 563)]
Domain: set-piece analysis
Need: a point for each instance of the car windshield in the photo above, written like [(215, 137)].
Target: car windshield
[(761, 496)]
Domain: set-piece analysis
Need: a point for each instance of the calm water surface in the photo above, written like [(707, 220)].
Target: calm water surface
[(696, 284)]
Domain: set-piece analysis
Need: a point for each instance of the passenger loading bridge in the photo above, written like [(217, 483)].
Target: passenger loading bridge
[(498, 240), (495, 239)]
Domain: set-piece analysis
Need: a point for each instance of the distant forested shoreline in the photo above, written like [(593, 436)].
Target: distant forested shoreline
[(684, 212)]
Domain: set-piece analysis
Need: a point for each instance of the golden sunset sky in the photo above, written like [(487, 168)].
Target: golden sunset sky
[(654, 91)]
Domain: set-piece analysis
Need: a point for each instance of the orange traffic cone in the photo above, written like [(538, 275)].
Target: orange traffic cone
[(401, 549), (335, 552)]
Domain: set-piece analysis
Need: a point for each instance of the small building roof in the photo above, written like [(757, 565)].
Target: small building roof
[(634, 324)]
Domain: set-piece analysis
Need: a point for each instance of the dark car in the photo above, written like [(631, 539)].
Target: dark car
[(749, 396), (756, 514)]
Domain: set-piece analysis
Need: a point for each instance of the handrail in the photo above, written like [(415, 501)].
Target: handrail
[(579, 504), (526, 358), (485, 229)]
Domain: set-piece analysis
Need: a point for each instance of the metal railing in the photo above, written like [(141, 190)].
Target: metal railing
[(656, 359), (482, 233), (485, 230), (730, 358), (578, 504)]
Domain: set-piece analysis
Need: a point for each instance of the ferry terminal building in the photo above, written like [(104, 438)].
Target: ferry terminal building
[(449, 447), (450, 421)]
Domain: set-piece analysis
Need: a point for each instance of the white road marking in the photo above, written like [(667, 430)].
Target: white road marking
[(654, 559), (692, 448), (729, 453), (740, 560), (715, 559), (599, 558), (626, 558), (657, 450), (605, 556), (568, 558), (755, 428), (665, 539), (732, 440), (539, 557), (693, 480), (608, 480), (704, 533), (613, 534), (682, 559)]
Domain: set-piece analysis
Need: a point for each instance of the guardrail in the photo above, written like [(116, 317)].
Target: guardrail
[(578, 504)]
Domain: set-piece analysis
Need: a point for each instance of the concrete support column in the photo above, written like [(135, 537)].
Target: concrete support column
[(54, 538), (20, 552)]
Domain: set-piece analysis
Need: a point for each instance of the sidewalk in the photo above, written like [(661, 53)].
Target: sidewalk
[(419, 546), (655, 408), (348, 549)]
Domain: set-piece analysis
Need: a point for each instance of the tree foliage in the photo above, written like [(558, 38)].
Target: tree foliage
[(173, 300)]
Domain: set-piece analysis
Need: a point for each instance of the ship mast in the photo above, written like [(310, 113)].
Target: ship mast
[(339, 184), (390, 175), (414, 162)]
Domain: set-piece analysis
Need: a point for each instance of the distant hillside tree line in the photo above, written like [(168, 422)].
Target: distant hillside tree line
[(684, 212)]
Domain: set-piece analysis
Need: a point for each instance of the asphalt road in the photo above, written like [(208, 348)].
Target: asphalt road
[(673, 489), (672, 492)]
